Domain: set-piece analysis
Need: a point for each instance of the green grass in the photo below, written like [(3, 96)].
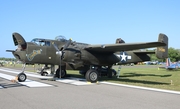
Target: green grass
[(138, 76), (149, 77), (146, 77)]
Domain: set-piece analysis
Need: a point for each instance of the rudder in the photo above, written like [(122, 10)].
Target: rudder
[(168, 62), (162, 52)]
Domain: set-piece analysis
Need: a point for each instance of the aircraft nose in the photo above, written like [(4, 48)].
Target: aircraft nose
[(16, 55), (20, 55), (19, 40)]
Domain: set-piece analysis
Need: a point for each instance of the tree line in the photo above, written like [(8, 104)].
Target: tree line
[(8, 59)]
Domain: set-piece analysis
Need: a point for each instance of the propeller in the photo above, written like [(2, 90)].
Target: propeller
[(67, 44), (60, 52)]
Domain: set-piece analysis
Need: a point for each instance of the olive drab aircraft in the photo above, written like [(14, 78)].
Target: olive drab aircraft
[(71, 55)]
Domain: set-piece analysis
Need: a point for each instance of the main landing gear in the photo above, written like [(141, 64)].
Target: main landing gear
[(92, 75), (96, 71), (21, 77)]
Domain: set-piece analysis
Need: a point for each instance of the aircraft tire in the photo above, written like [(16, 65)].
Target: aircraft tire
[(92, 76), (22, 77), (63, 73)]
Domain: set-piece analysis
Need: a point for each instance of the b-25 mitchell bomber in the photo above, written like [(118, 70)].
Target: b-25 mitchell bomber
[(71, 55)]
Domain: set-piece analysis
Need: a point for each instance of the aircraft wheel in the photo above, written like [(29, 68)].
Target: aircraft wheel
[(63, 73), (21, 77), (92, 76)]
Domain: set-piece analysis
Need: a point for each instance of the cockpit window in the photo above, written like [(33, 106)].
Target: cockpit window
[(47, 43), (41, 42)]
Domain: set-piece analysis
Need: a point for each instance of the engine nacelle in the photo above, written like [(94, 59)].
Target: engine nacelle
[(119, 40), (71, 55)]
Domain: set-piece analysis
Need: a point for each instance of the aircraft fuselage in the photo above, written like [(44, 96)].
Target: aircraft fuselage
[(74, 57)]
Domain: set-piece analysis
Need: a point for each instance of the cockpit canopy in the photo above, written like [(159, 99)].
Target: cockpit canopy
[(45, 42), (41, 42), (60, 38)]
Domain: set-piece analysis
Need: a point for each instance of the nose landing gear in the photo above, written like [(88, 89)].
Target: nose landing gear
[(21, 77)]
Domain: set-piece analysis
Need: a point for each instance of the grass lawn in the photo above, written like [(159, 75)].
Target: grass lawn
[(148, 77), (138, 75)]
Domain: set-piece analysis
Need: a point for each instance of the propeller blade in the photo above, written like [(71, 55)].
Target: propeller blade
[(60, 53), (67, 44), (55, 47)]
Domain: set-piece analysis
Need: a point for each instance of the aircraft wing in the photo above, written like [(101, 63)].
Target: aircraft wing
[(123, 46)]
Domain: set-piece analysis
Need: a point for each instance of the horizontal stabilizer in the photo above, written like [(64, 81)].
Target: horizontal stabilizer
[(144, 52)]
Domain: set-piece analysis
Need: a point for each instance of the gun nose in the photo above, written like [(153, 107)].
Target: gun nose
[(20, 55)]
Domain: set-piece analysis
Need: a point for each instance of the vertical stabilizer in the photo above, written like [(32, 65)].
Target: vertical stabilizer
[(162, 52), (168, 62)]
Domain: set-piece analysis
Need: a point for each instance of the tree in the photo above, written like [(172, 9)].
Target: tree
[(174, 54)]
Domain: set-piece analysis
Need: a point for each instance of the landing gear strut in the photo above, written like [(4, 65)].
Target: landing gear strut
[(110, 73), (22, 76)]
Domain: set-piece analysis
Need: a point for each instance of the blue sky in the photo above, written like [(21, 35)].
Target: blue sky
[(89, 21)]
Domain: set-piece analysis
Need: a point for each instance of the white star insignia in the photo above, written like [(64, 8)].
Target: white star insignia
[(123, 57)]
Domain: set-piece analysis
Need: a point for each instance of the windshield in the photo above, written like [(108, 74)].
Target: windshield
[(41, 42)]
